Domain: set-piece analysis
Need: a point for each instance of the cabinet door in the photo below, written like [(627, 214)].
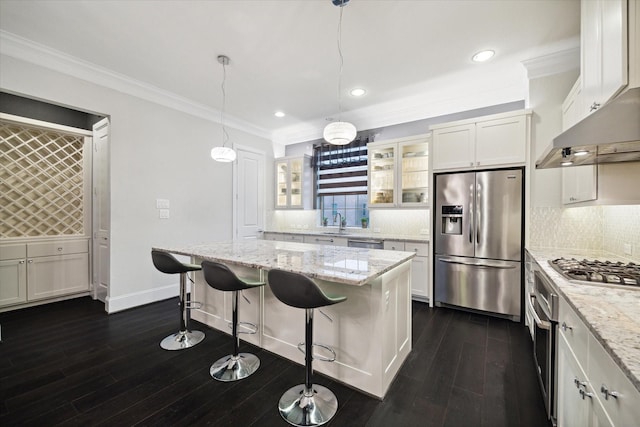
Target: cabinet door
[(572, 110), (579, 184), (413, 160), (382, 174), (13, 282), (590, 55), (282, 184), (614, 49), (573, 410), (57, 275), (420, 277), (501, 141), (296, 188), (453, 147)]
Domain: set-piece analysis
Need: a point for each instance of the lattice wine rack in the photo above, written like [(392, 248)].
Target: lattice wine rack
[(41, 182)]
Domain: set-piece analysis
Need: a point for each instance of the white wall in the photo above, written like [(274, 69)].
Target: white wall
[(156, 152)]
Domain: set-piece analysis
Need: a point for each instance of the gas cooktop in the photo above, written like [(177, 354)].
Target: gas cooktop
[(597, 272)]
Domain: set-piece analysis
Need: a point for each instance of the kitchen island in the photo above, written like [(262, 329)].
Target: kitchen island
[(370, 331)]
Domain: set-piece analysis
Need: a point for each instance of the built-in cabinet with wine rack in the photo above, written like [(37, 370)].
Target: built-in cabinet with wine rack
[(398, 174)]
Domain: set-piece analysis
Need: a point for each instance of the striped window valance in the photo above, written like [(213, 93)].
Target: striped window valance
[(342, 169)]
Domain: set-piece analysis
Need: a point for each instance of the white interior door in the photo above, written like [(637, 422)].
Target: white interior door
[(101, 210), (249, 182)]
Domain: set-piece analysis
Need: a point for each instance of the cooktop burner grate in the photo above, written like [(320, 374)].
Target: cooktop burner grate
[(614, 273)]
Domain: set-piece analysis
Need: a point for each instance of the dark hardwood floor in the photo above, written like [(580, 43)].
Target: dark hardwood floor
[(70, 363)]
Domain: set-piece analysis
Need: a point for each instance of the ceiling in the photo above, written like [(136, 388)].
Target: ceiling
[(412, 57)]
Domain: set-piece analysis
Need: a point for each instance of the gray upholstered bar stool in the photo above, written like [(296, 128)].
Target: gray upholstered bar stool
[(185, 337), (235, 366), (306, 404)]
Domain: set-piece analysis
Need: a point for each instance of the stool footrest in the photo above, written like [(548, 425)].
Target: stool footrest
[(193, 305), (253, 328), (301, 347)]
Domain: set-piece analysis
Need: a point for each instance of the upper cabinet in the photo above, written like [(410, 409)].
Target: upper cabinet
[(293, 183), (604, 51), (398, 174), (579, 183), (496, 140)]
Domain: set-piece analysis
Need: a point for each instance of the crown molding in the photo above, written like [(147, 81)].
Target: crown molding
[(38, 54), (553, 63)]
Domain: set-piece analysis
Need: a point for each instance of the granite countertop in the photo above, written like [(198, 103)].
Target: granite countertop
[(612, 314), (352, 266), (357, 234)]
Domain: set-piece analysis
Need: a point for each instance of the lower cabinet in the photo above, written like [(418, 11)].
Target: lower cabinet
[(41, 270), (321, 240), (592, 390), (419, 266), (283, 237)]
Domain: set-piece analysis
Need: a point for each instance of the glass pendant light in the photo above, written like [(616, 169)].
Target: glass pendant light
[(339, 133), (223, 154)]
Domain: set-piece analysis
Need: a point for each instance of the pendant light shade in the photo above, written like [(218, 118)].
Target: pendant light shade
[(339, 133), (223, 154)]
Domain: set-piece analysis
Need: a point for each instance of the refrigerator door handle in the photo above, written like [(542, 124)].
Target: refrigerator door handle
[(453, 261), (478, 216), (471, 213)]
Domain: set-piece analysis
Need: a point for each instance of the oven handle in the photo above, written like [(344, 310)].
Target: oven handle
[(539, 322)]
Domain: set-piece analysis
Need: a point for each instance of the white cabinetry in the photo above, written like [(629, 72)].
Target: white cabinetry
[(293, 183), (592, 389), (41, 270), (284, 237), (579, 183), (398, 174), (420, 289), (496, 140), (604, 50), (326, 240)]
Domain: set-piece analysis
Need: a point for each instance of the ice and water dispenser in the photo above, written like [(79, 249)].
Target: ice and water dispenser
[(451, 219)]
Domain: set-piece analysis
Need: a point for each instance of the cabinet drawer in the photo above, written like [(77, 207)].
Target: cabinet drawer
[(16, 251), (421, 249), (574, 331), (391, 245), (624, 410), (292, 238), (62, 247)]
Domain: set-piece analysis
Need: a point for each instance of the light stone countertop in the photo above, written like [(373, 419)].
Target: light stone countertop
[(356, 234), (351, 266), (612, 314)]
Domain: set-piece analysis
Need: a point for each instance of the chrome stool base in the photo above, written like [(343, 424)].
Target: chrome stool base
[(233, 368), (315, 410), (181, 340)]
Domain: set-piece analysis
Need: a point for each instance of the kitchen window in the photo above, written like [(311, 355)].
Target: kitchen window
[(341, 182)]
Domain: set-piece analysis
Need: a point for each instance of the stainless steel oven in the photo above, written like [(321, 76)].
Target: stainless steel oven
[(542, 304)]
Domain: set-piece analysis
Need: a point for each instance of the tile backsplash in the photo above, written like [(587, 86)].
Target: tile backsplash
[(614, 229)]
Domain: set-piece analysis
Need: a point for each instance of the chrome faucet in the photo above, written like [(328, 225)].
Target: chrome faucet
[(340, 227)]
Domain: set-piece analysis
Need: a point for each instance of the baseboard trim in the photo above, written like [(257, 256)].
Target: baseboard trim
[(135, 299)]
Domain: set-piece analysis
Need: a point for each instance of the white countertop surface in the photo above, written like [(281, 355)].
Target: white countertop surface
[(352, 266), (357, 234), (611, 313)]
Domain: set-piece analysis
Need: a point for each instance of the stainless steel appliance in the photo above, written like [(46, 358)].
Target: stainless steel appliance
[(599, 272), (542, 304), (478, 241)]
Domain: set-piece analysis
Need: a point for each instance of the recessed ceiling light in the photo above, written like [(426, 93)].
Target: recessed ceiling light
[(566, 163), (279, 114), (483, 56), (357, 92), (581, 153)]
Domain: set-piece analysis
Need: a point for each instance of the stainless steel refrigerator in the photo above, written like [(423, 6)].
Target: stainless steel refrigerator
[(478, 240)]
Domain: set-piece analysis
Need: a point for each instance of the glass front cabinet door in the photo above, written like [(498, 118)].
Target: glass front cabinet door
[(399, 172), (293, 183)]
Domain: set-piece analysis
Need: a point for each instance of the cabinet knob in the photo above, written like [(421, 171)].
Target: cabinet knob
[(584, 393), (59, 249), (564, 327), (579, 383), (608, 393), (594, 107), (21, 262), (30, 261)]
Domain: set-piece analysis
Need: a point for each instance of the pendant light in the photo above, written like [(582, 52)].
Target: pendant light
[(339, 133), (223, 154)]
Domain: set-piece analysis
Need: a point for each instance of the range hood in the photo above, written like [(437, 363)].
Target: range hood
[(609, 135)]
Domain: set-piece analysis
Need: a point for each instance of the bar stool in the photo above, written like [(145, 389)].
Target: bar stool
[(235, 366), (185, 337), (306, 404)]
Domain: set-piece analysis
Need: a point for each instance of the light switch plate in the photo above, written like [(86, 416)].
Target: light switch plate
[(162, 204), (163, 213)]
